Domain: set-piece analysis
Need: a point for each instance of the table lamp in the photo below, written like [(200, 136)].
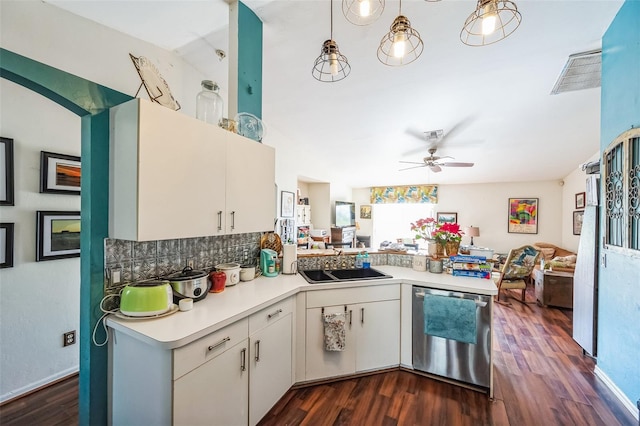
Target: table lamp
[(472, 231)]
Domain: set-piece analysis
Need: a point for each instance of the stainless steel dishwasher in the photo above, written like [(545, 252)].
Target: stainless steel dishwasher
[(455, 340)]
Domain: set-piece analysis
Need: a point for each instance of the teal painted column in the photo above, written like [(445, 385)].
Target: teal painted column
[(249, 61), (90, 101), (95, 228)]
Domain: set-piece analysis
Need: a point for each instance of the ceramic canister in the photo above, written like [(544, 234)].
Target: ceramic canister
[(435, 266)]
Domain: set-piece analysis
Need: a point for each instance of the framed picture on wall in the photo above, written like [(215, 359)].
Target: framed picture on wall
[(59, 173), (57, 235), (6, 173), (580, 200), (446, 217), (577, 221), (6, 245), (286, 204), (523, 216), (365, 212)]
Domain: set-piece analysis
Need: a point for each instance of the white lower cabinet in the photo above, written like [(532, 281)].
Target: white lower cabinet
[(372, 331), (270, 375), (230, 377), (216, 392)]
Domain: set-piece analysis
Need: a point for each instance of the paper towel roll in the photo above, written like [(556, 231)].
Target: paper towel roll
[(289, 257)]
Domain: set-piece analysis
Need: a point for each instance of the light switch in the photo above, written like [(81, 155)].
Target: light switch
[(115, 276)]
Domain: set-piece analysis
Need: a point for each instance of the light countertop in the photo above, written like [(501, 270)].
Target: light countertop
[(218, 310)]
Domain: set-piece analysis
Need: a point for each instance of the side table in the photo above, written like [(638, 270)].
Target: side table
[(554, 288)]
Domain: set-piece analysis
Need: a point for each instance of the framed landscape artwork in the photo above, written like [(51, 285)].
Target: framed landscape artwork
[(523, 215), (445, 217), (6, 245), (6, 172), (57, 235), (577, 221), (59, 173)]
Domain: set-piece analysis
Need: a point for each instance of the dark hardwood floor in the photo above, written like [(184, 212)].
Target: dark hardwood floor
[(540, 374)]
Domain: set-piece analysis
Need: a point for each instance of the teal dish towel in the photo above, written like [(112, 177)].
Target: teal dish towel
[(450, 318)]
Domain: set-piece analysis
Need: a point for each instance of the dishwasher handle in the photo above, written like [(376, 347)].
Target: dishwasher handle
[(477, 299)]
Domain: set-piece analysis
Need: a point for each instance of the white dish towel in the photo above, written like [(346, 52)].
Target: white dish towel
[(334, 331)]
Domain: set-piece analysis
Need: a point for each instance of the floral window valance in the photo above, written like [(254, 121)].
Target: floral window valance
[(404, 194)]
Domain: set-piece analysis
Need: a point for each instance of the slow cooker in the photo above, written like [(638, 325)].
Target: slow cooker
[(189, 283), (145, 299)]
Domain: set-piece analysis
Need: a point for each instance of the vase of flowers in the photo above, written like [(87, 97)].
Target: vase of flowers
[(423, 229), (448, 236)]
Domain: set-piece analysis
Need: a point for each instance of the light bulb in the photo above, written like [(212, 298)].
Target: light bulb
[(365, 8), (333, 63), (489, 19), (399, 44)]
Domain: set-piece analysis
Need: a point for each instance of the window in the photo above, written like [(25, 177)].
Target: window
[(622, 191)]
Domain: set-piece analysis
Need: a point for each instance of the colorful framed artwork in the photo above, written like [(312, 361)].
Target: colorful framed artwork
[(446, 217), (59, 173), (57, 235), (286, 203), (580, 200), (523, 215), (365, 212), (577, 221), (6, 174), (6, 245)]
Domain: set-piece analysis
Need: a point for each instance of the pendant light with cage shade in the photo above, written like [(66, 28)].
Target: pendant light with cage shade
[(402, 44), (492, 21), (362, 12), (331, 65)]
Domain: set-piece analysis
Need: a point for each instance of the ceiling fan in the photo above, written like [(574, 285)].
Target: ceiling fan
[(434, 162)]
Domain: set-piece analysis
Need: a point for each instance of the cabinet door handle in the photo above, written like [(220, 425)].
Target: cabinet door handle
[(274, 314), (361, 315), (257, 350), (350, 316), (233, 220), (220, 220), (221, 342), (243, 359)]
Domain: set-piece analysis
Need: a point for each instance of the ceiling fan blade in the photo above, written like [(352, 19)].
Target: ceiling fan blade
[(456, 128), (435, 168), (414, 167), (456, 164), (412, 162)]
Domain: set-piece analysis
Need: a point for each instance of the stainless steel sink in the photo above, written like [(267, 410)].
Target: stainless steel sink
[(315, 276)]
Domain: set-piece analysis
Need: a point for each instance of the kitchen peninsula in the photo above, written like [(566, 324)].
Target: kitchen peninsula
[(236, 353)]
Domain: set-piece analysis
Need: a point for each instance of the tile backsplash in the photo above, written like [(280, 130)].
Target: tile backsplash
[(138, 261)]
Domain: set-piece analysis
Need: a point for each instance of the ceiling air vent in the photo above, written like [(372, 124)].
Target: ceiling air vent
[(582, 71)]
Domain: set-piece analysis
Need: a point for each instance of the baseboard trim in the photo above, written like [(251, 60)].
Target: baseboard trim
[(36, 386), (617, 392)]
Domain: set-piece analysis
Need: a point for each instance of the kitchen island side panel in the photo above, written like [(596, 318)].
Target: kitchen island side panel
[(142, 376)]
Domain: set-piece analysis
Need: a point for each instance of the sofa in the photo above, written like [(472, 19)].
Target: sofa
[(558, 258)]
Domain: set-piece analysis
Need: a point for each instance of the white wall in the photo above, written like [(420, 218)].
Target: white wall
[(40, 301), (486, 206), (574, 183)]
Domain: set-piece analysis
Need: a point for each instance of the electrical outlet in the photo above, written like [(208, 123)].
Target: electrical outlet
[(191, 262), (69, 338)]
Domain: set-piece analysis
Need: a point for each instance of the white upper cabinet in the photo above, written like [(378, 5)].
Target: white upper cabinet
[(171, 176), (250, 179)]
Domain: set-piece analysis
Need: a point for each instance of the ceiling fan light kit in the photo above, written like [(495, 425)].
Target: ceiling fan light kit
[(331, 65), (362, 12), (492, 21)]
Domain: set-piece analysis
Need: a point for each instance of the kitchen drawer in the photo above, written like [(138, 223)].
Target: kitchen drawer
[(278, 310), (349, 296), (202, 350)]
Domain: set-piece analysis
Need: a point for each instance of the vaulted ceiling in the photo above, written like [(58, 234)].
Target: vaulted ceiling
[(493, 102)]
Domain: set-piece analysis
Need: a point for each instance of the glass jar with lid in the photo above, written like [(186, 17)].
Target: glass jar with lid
[(209, 104)]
